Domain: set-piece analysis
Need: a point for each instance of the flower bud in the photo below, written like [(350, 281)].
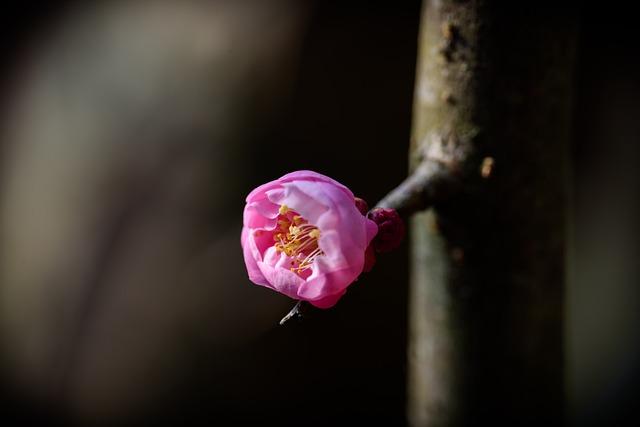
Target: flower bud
[(369, 259), (362, 206), (391, 229)]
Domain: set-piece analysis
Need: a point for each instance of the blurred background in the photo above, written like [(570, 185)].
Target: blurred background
[(130, 133)]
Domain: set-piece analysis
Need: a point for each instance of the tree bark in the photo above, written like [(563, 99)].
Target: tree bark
[(492, 103)]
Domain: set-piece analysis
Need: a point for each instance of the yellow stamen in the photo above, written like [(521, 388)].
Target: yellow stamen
[(297, 239)]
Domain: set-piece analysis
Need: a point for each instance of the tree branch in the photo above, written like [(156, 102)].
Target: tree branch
[(430, 182)]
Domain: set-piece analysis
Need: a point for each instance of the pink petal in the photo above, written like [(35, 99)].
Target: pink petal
[(372, 230), (344, 215), (278, 277), (307, 175), (328, 301), (324, 285), (249, 252), (259, 192), (260, 214), (339, 252), (308, 207)]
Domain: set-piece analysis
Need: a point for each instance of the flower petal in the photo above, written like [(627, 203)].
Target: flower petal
[(310, 208), (260, 214), (344, 215), (328, 301), (327, 284), (278, 278), (249, 252), (372, 230), (307, 175)]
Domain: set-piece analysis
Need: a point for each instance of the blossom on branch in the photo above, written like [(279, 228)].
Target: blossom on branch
[(304, 236)]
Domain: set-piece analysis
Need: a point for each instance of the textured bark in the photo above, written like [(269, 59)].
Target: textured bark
[(492, 103)]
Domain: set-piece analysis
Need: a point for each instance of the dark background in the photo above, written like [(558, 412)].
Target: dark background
[(343, 108)]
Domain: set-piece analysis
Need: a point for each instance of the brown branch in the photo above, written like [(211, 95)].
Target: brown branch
[(430, 182)]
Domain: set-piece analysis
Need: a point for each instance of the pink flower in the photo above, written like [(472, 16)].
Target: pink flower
[(303, 236)]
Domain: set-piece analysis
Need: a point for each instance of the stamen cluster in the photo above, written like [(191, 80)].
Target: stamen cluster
[(297, 239)]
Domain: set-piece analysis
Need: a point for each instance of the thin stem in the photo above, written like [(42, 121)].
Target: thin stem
[(295, 311)]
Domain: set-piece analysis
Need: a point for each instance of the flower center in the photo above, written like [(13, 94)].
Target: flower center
[(296, 238)]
